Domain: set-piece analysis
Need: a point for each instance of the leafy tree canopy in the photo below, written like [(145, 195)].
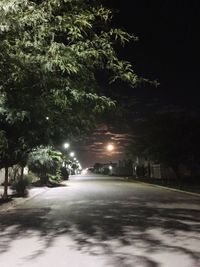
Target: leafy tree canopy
[(50, 54), (44, 161)]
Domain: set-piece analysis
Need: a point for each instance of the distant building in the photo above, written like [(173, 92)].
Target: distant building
[(122, 168), (105, 168)]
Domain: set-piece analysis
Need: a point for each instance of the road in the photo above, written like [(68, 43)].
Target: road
[(97, 221)]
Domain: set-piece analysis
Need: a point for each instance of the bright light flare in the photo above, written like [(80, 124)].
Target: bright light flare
[(66, 145), (84, 171), (110, 147), (71, 154)]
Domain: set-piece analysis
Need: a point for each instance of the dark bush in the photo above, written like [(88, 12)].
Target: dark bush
[(20, 186), (64, 173)]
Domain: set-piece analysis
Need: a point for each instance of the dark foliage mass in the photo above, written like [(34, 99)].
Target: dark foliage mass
[(168, 138)]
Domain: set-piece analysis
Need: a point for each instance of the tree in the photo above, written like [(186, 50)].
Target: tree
[(169, 138), (14, 147), (51, 52), (45, 161)]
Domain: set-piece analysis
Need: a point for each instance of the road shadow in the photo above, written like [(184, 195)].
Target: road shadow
[(50, 184), (128, 233), (5, 201)]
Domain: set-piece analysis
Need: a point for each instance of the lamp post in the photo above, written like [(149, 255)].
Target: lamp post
[(110, 169), (66, 146), (110, 148)]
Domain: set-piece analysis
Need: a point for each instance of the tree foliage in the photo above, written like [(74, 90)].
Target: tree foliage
[(51, 52), (45, 161), (168, 138)]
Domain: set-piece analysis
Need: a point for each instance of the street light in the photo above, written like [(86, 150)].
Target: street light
[(111, 169), (110, 147), (66, 145), (71, 154)]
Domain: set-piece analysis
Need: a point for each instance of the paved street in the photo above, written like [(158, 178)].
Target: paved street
[(97, 221)]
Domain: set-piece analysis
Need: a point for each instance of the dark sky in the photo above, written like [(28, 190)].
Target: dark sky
[(167, 50)]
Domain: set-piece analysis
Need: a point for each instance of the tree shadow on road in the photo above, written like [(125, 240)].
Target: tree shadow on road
[(127, 233)]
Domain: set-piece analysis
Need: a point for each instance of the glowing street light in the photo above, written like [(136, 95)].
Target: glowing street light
[(66, 145), (110, 147), (72, 154)]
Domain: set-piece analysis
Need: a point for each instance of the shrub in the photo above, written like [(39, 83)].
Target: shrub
[(32, 178), (56, 177), (45, 162), (64, 173), (20, 186)]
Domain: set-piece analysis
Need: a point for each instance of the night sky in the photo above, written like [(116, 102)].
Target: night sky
[(167, 50)]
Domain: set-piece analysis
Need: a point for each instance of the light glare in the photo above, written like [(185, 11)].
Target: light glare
[(66, 145), (110, 147), (72, 154)]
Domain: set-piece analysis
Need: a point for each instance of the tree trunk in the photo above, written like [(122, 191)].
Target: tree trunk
[(178, 175), (5, 193), (44, 179), (22, 173), (14, 173), (149, 170)]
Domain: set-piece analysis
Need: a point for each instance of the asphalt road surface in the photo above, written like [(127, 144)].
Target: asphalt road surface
[(99, 221)]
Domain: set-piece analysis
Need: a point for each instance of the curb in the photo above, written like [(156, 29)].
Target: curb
[(17, 202), (165, 187)]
